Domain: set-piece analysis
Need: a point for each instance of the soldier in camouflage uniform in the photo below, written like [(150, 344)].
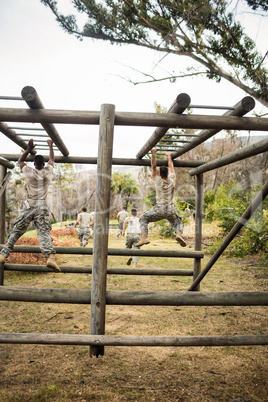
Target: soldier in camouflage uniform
[(164, 209), (133, 234), (83, 219), (121, 216), (35, 208)]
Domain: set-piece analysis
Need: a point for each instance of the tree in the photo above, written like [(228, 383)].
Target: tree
[(125, 186), (205, 31), (64, 197)]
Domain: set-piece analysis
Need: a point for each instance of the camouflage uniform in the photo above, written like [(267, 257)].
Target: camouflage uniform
[(122, 215), (36, 211), (84, 234), (158, 212), (84, 229)]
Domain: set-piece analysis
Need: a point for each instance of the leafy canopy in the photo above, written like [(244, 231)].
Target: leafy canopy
[(208, 32), (123, 184)]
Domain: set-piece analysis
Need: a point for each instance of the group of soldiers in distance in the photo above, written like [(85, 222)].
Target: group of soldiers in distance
[(35, 209)]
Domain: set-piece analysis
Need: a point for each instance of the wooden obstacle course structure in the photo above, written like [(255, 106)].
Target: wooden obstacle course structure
[(98, 297)]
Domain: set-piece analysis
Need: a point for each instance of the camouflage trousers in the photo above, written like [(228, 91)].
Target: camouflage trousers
[(84, 234), (37, 212), (158, 212), (131, 240), (120, 228)]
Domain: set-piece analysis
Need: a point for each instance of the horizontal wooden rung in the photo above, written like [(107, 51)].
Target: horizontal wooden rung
[(133, 340)]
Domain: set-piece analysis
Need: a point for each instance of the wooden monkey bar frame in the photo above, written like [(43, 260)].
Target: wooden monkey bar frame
[(98, 297), (30, 96)]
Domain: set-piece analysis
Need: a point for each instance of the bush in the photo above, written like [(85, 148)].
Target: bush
[(229, 204)]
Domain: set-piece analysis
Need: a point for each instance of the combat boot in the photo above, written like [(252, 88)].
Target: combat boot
[(144, 240), (51, 263), (180, 239), (2, 258)]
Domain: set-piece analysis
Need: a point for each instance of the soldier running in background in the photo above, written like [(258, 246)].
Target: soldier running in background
[(83, 219), (121, 216), (133, 234)]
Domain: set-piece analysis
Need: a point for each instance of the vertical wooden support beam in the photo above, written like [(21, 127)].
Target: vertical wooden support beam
[(198, 225), (101, 225), (2, 219)]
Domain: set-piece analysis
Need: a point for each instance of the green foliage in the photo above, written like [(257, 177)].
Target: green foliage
[(165, 228), (209, 200), (227, 206), (205, 31), (63, 175), (123, 184), (150, 199)]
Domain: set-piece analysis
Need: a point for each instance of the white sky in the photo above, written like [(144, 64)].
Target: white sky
[(69, 74)]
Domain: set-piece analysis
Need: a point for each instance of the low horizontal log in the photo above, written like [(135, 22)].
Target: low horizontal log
[(132, 340), (171, 120), (115, 161), (134, 298), (113, 251), (112, 271)]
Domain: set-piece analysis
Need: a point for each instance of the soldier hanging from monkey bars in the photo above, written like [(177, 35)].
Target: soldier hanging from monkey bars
[(35, 207), (164, 181)]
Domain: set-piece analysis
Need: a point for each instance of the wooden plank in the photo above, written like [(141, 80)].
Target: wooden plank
[(13, 136), (179, 105), (110, 271), (134, 298), (115, 161), (114, 251), (171, 120), (240, 109), (32, 99), (132, 340), (254, 149), (6, 163)]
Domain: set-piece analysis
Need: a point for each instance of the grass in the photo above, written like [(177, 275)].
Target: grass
[(67, 373)]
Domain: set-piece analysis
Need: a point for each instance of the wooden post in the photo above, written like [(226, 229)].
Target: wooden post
[(198, 225), (2, 219), (101, 225)]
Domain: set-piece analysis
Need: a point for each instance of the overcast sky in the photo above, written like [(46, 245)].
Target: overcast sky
[(70, 74)]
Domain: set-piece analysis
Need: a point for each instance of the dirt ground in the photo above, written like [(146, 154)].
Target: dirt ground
[(68, 373)]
